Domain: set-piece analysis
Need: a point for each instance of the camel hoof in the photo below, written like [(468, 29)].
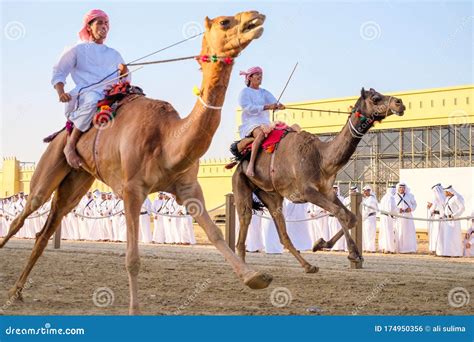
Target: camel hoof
[(311, 269), (318, 245), (355, 257), (257, 280)]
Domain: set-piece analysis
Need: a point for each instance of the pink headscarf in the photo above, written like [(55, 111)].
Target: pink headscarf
[(250, 72), (91, 15)]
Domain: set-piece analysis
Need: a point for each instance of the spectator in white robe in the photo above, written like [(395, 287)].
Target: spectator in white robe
[(435, 212), (468, 242), (85, 209), (387, 233), (98, 232), (145, 230), (166, 212), (271, 240), (450, 238), (318, 226), (8, 213), (158, 219), (406, 231), (119, 223), (335, 225), (369, 219), (297, 224), (89, 63), (3, 218), (185, 227), (44, 212)]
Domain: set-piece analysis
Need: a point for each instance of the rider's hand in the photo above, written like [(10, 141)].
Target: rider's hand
[(122, 69), (64, 97), (280, 106)]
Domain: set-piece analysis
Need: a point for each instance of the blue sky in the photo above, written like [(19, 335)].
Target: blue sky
[(340, 47)]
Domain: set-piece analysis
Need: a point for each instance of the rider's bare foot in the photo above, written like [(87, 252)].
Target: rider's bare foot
[(72, 157), (249, 171)]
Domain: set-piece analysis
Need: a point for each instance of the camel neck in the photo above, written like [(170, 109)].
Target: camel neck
[(344, 145), (203, 121)]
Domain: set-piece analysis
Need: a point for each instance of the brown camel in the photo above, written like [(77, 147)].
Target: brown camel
[(147, 148), (304, 169)]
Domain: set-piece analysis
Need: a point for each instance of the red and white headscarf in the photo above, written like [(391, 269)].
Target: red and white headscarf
[(250, 72), (84, 35)]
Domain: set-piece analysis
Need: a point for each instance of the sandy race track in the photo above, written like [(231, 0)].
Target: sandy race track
[(197, 281)]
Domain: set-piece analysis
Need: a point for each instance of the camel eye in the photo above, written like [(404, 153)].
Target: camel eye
[(225, 23), (376, 98)]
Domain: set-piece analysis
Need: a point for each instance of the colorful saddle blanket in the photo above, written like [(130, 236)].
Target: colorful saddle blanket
[(269, 144)]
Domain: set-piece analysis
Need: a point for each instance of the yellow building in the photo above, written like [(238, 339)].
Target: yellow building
[(436, 131)]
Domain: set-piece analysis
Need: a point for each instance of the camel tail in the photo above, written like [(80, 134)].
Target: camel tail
[(257, 205)]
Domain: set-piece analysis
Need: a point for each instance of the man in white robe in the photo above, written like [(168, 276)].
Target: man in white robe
[(185, 226), (468, 242), (369, 219), (435, 212), (297, 225), (85, 209), (119, 225), (158, 219), (254, 241), (145, 230), (319, 226), (90, 63), (450, 239), (387, 233), (406, 231), (3, 218)]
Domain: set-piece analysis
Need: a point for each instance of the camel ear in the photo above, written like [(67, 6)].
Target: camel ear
[(207, 23), (362, 93)]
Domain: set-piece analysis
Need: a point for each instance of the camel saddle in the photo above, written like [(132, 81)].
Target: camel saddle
[(241, 149), (115, 96)]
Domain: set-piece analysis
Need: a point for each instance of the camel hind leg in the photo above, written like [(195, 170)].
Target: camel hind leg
[(243, 203), (67, 196), (274, 203), (51, 170)]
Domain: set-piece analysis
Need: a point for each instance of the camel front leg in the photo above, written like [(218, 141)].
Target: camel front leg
[(68, 195), (347, 219), (243, 203), (274, 203), (133, 198), (191, 196)]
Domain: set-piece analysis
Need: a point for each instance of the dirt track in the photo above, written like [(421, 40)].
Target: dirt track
[(196, 280)]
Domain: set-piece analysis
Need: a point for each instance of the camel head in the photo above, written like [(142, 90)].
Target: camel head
[(377, 107), (228, 36)]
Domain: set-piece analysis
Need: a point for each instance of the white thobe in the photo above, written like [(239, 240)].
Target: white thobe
[(88, 63), (469, 238), (369, 223), (185, 226), (145, 230), (406, 231), (252, 102), (158, 221), (387, 233), (297, 231), (119, 223), (450, 240), (435, 212)]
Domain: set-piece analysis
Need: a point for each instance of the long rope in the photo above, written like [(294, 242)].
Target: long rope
[(318, 110)]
